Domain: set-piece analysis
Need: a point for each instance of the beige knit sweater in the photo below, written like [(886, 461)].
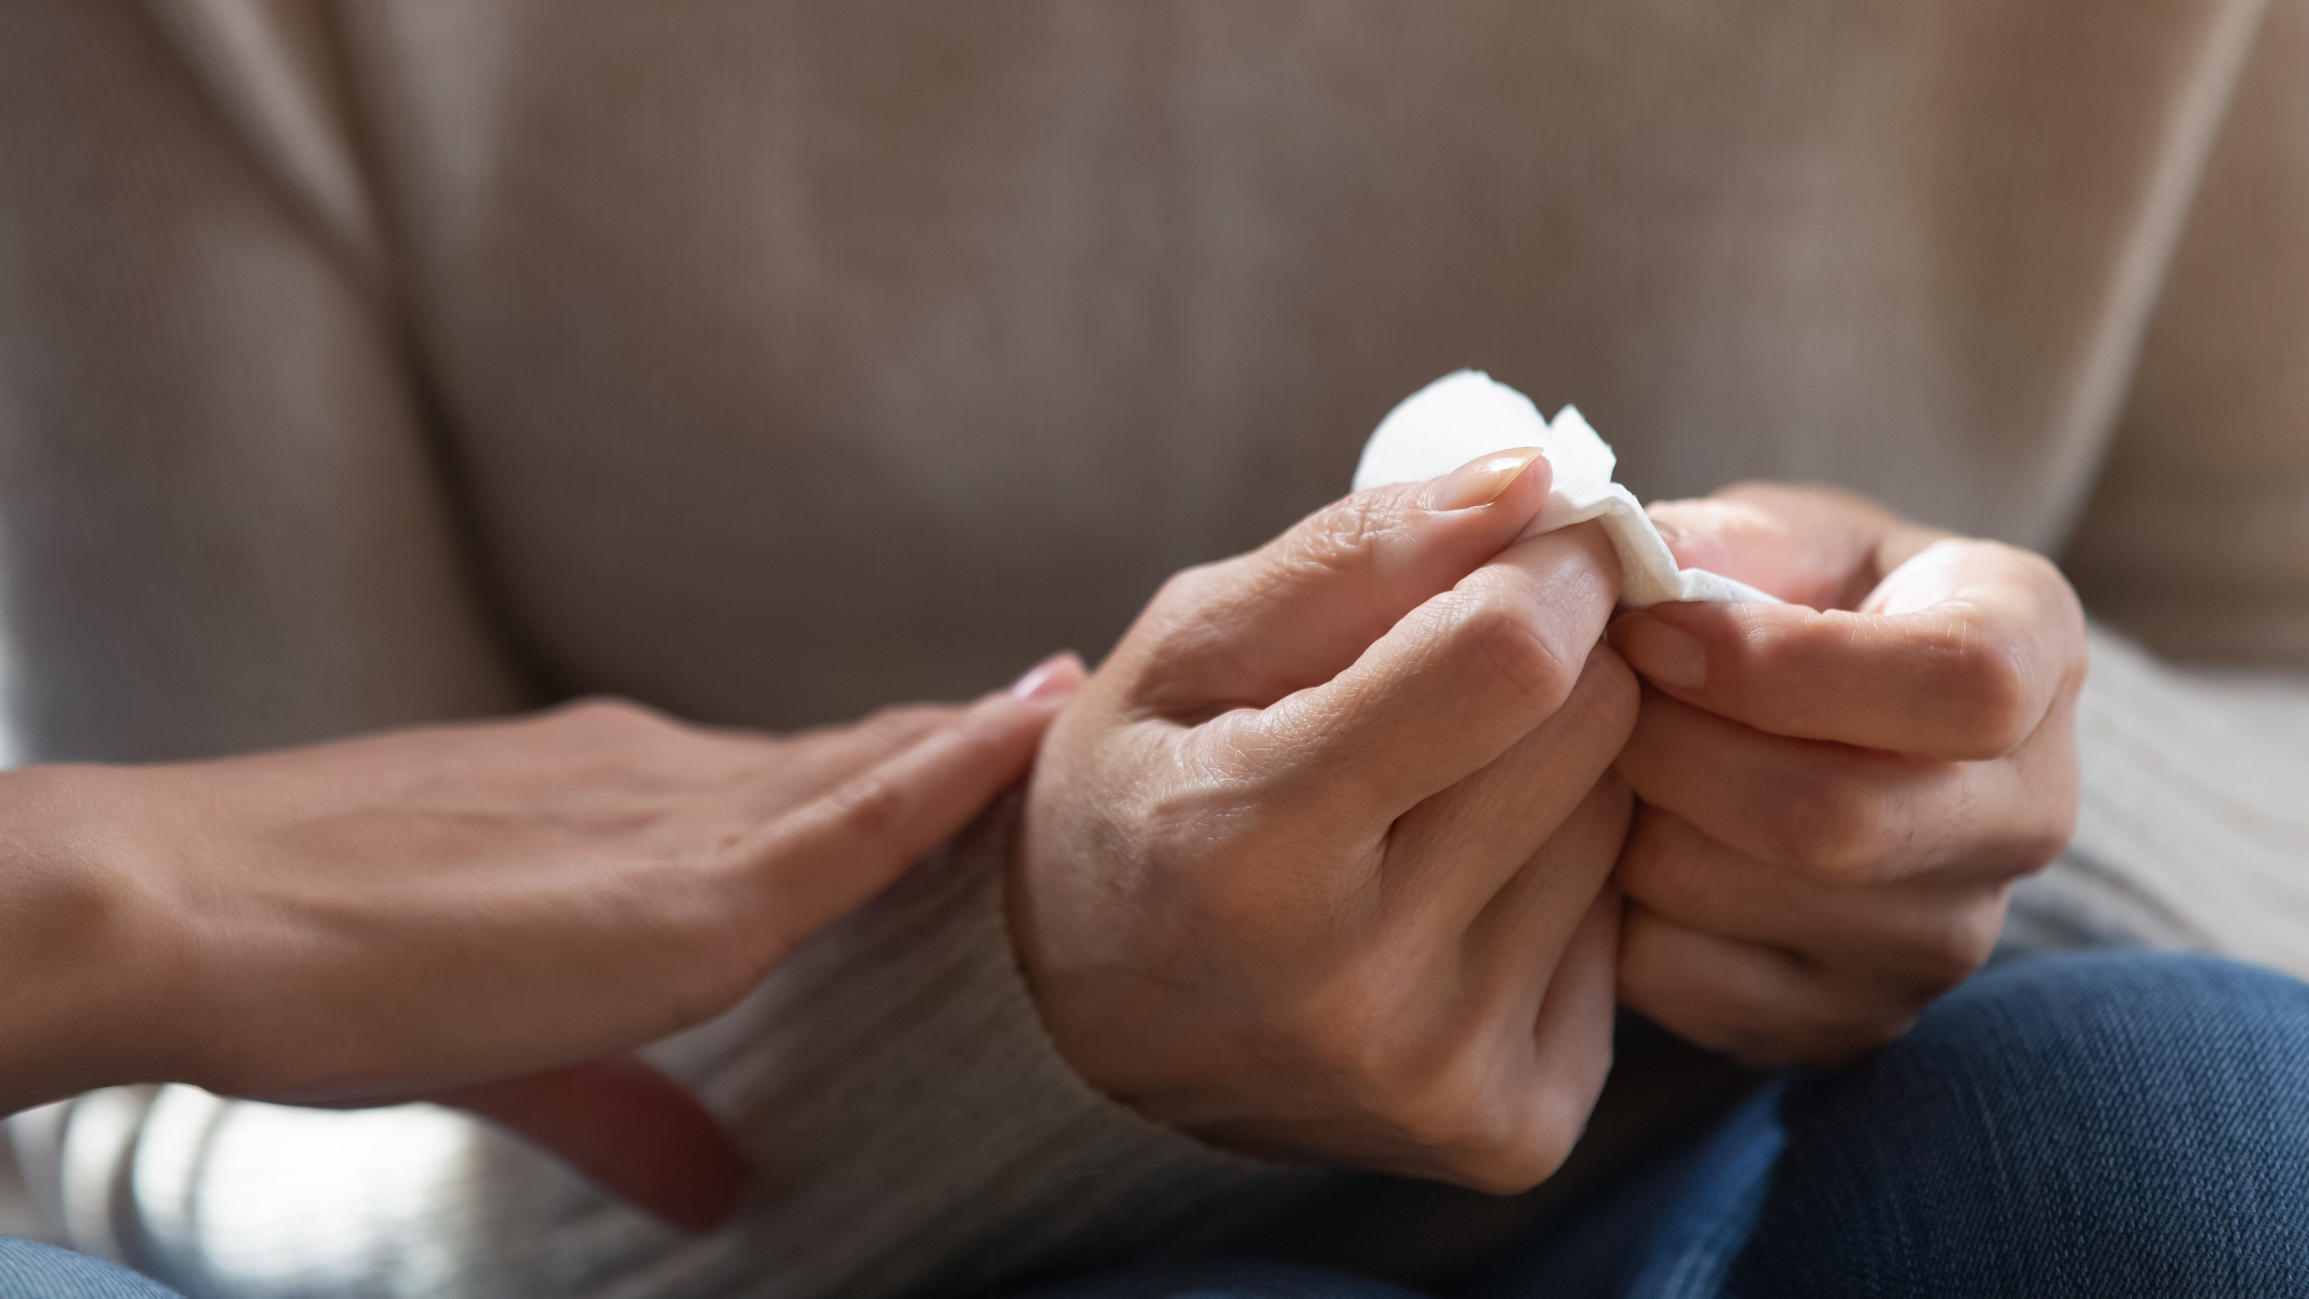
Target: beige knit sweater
[(371, 361)]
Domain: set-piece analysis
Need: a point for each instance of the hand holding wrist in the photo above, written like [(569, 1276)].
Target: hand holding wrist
[(484, 914)]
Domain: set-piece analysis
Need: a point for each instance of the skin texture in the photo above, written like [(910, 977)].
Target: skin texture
[(486, 914), (1343, 855), (1316, 865), (1836, 795)]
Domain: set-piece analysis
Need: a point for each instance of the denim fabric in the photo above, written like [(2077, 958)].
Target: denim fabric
[(1688, 1252), (30, 1271), (2110, 1124), (2102, 1125)]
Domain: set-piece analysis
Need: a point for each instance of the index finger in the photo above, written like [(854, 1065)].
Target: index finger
[(1958, 655), (1445, 691), (813, 865)]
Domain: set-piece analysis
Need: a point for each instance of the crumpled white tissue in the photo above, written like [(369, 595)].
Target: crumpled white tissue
[(1468, 414)]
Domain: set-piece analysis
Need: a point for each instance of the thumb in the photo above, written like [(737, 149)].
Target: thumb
[(629, 1127), (1299, 610)]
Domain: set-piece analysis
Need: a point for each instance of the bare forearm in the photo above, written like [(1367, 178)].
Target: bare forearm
[(85, 1004)]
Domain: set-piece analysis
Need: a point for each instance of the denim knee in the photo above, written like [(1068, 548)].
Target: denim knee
[(2113, 1123)]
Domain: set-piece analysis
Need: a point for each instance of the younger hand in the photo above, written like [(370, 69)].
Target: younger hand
[(474, 913), (1838, 793)]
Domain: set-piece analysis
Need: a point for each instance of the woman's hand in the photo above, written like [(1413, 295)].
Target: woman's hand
[(1837, 794), (1316, 864), (472, 913)]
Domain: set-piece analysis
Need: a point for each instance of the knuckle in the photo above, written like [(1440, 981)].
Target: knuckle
[(1990, 685), (2046, 833), (1512, 1145), (1539, 1146), (1514, 1142), (612, 713), (1656, 865), (1343, 538), (1510, 654), (1833, 833), (1607, 698), (1959, 945), (2037, 850), (1511, 1164), (1451, 1110), (1345, 533), (608, 731)]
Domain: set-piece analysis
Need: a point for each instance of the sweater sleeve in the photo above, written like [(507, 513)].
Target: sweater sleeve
[(913, 1130)]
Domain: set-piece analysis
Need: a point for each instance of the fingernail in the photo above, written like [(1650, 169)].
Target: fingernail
[(1668, 655), (1480, 481), (1055, 677)]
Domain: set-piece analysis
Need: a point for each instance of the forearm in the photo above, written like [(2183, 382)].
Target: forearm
[(78, 952), (913, 1128)]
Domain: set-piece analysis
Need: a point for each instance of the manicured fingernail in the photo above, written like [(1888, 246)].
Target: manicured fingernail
[(1480, 481), (1055, 677), (1668, 655)]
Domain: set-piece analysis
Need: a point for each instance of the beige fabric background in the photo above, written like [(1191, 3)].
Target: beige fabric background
[(396, 359)]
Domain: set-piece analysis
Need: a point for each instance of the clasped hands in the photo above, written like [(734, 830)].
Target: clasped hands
[(1347, 851)]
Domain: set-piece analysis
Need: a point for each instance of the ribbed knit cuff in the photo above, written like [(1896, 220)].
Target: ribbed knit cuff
[(913, 1129), (917, 1128)]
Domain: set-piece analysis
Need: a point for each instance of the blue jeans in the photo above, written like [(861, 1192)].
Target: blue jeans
[(2105, 1124), (29, 1271), (2109, 1124)]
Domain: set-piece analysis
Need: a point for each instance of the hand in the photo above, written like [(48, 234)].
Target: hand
[(473, 913), (1837, 794), (1315, 866)]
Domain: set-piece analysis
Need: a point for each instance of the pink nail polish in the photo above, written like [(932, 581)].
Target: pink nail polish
[(1057, 676)]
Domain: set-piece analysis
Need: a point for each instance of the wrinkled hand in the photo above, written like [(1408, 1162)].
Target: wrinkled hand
[(1315, 866), (1837, 795), (481, 913)]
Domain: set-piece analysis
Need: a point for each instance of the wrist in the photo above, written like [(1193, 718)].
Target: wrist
[(78, 939)]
